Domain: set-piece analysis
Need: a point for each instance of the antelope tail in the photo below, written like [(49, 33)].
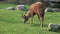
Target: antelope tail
[(46, 10)]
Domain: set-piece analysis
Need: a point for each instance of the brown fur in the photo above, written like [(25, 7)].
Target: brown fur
[(38, 9)]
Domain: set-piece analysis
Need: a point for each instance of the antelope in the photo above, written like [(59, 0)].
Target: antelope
[(38, 9)]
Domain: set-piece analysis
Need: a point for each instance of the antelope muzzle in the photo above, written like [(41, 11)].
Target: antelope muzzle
[(25, 18)]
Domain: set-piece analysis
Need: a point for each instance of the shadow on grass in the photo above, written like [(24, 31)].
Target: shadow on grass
[(37, 25)]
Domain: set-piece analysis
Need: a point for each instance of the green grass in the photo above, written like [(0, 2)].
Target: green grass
[(11, 22)]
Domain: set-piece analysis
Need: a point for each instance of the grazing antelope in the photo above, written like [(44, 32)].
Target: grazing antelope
[(38, 9)]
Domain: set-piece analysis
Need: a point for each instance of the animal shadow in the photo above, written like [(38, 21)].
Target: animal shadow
[(38, 25)]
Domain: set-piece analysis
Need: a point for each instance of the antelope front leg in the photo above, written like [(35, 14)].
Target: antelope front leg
[(31, 20), (42, 19)]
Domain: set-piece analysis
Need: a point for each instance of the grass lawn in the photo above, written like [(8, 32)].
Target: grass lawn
[(11, 22)]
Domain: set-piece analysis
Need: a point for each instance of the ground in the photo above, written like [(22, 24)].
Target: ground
[(11, 22)]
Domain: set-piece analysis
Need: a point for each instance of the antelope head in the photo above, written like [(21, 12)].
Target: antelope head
[(25, 18)]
